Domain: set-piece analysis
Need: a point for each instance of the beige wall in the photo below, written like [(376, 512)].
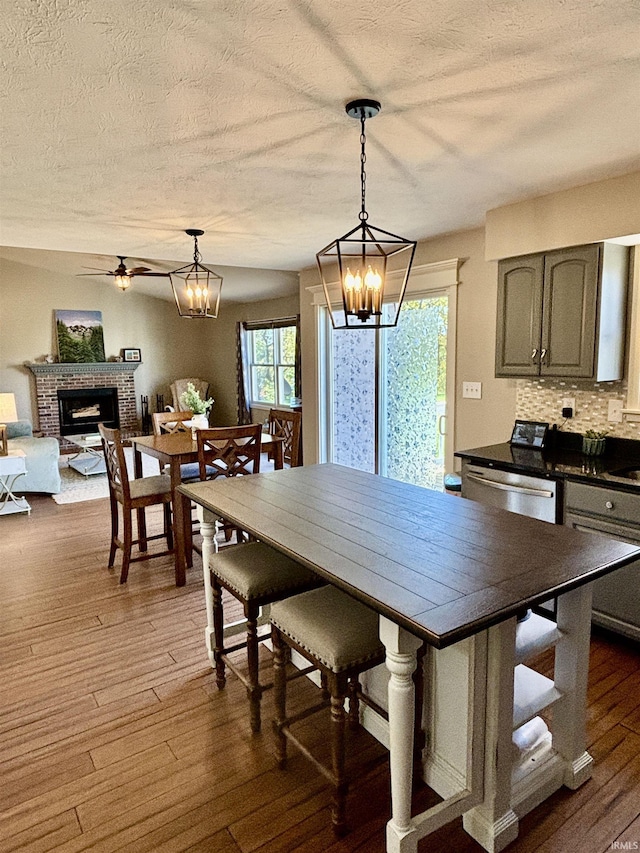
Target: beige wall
[(172, 347), (590, 213), (586, 214), (220, 351), (477, 422)]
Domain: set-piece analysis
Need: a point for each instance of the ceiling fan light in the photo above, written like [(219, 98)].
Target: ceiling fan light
[(122, 281)]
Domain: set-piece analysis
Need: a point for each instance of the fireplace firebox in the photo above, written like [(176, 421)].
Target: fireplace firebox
[(85, 408)]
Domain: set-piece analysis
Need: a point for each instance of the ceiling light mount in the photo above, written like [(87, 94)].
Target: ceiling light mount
[(356, 268), (363, 108), (196, 288)]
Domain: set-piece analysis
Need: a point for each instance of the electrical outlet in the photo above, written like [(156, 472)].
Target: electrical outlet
[(472, 390), (569, 403), (615, 411)]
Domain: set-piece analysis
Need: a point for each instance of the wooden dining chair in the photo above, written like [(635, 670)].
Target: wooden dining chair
[(170, 422), (229, 451), (251, 572), (288, 426), (136, 494)]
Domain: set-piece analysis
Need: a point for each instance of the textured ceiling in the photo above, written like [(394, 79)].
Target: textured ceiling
[(124, 123)]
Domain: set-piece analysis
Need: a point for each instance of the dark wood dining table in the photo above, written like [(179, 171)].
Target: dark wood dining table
[(456, 575), (177, 449)]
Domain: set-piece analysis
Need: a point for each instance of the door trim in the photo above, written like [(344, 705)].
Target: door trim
[(426, 280)]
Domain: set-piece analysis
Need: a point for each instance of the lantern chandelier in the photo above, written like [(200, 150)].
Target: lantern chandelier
[(195, 287), (366, 259)]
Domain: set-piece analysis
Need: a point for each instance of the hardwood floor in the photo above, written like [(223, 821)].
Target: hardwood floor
[(113, 735)]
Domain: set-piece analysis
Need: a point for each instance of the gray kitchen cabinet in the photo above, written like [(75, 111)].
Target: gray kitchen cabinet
[(562, 313), (613, 513)]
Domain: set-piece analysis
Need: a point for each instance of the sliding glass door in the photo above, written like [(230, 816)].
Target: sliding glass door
[(386, 393)]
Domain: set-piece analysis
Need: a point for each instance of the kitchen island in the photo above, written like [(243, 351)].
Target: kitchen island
[(449, 573)]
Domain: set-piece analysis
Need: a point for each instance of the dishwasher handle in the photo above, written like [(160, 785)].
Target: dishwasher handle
[(507, 487)]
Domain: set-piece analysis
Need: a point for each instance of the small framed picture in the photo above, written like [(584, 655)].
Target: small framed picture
[(131, 355)]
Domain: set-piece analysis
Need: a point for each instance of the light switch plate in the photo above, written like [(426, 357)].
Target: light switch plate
[(472, 390)]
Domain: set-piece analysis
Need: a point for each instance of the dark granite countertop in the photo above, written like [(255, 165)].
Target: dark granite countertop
[(563, 460)]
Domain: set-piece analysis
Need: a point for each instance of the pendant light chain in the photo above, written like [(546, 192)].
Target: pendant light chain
[(355, 265), (197, 257), (363, 175)]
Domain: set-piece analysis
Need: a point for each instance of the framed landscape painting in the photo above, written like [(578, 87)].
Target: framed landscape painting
[(80, 336)]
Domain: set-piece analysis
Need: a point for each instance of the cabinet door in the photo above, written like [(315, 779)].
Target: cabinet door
[(569, 312), (519, 316)]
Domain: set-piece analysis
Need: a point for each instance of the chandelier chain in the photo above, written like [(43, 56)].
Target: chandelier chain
[(363, 175), (196, 252)]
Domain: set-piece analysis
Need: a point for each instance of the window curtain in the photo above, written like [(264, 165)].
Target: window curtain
[(298, 363), (244, 392)]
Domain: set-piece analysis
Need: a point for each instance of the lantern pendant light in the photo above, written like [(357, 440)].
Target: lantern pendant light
[(195, 287), (366, 260)]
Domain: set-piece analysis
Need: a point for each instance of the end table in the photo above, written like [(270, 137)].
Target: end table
[(12, 467)]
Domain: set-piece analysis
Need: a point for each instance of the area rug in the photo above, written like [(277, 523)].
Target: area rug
[(76, 487)]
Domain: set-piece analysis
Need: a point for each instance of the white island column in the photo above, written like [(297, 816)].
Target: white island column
[(208, 526), (401, 648)]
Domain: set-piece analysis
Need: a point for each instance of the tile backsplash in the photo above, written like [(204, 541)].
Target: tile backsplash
[(541, 400)]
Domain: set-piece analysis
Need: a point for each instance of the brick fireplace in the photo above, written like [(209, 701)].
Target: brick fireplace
[(50, 378)]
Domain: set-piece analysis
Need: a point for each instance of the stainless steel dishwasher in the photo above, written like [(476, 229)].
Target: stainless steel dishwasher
[(525, 494)]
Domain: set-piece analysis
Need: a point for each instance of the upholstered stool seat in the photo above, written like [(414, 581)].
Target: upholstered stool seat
[(256, 575), (336, 629), (339, 636)]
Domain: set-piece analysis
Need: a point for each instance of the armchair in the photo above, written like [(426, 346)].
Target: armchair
[(180, 386)]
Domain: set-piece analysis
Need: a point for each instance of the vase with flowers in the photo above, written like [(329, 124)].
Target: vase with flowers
[(192, 401)]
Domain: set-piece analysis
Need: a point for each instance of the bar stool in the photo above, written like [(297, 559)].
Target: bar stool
[(256, 575), (339, 636)]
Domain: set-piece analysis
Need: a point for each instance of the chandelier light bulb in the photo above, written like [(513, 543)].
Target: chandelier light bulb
[(373, 279)]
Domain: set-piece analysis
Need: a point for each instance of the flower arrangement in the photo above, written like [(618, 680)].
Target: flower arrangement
[(192, 400)]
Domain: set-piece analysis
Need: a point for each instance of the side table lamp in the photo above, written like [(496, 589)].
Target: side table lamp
[(8, 412)]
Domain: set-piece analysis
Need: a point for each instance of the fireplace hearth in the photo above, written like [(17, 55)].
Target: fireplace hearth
[(80, 378), (84, 408)]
